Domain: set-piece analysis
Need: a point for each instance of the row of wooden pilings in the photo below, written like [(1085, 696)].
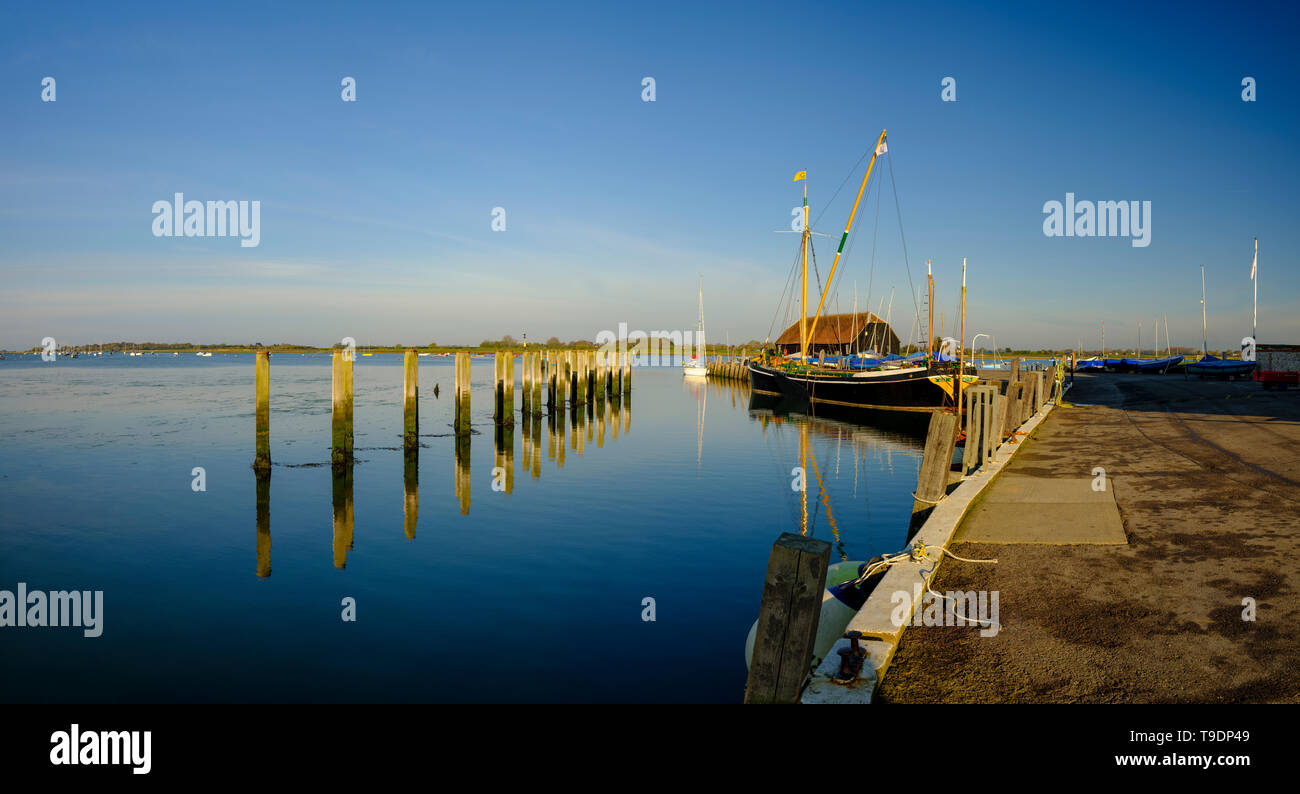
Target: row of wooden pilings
[(577, 377), (728, 368), (995, 407)]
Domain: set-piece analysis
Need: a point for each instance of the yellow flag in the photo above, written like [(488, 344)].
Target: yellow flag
[(801, 175)]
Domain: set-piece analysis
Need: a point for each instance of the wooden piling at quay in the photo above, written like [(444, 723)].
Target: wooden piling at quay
[(1012, 420), (262, 455), (410, 402), (788, 619), (602, 388), (341, 432), (991, 435), (932, 481), (580, 376), (627, 372), (979, 405), (461, 421)]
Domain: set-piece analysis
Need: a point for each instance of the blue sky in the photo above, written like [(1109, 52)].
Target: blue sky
[(376, 215)]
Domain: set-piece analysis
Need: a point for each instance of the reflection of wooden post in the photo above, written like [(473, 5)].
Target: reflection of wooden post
[(262, 372), (344, 518), (462, 473), (411, 491), (788, 619), (410, 401), (263, 524), (505, 455), (462, 394), (341, 445), (600, 390), (535, 430)]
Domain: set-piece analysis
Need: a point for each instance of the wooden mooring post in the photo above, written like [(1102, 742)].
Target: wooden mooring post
[(526, 388), (341, 431), (410, 402), (979, 404), (627, 372), (461, 421), (787, 619), (535, 382), (262, 455), (936, 462), (1011, 419), (552, 382)]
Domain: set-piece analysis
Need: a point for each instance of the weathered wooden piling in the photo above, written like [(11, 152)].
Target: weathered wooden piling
[(936, 462), (410, 402), (535, 381), (979, 406), (262, 372), (1012, 420), (627, 372), (787, 619), (991, 434), (580, 376), (341, 435), (602, 388), (552, 361), (526, 390), (1014, 371), (462, 394), (504, 380)]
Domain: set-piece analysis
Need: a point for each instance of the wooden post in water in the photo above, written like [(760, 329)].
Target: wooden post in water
[(410, 402), (627, 372), (526, 392), (600, 389), (461, 421), (551, 380), (580, 376), (262, 454), (788, 619), (932, 481), (510, 391), (535, 381), (341, 435)]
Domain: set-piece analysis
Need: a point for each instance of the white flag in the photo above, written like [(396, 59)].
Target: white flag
[(882, 148)]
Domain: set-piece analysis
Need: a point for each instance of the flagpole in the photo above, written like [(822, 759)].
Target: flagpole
[(1254, 325)]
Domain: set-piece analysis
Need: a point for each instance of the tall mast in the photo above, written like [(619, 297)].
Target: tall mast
[(1205, 345), (879, 150), (1254, 263), (1168, 350), (803, 301), (961, 347), (929, 305), (699, 336)]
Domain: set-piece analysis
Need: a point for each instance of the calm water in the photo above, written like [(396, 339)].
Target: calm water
[(531, 595)]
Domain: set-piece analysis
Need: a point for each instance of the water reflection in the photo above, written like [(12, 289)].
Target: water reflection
[(344, 517), (263, 523), (411, 491)]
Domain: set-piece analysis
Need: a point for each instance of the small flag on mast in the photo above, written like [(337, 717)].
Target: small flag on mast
[(801, 175), (882, 148)]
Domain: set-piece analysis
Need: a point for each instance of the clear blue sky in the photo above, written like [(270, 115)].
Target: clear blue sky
[(376, 214)]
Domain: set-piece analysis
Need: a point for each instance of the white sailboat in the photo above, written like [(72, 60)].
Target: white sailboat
[(695, 368)]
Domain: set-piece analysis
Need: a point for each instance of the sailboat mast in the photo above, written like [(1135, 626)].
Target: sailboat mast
[(880, 148), (803, 302), (1205, 345), (961, 347), (1168, 349), (1254, 263), (929, 305)]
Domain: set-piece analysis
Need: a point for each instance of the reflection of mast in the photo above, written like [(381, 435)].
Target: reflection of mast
[(835, 530), (803, 467), (702, 399)]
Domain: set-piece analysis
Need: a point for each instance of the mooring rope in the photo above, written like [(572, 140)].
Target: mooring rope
[(919, 553)]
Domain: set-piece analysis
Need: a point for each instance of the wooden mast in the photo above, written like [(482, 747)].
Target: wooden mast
[(880, 148), (961, 362)]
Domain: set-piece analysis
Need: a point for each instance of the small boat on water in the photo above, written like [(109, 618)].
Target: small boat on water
[(695, 368)]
